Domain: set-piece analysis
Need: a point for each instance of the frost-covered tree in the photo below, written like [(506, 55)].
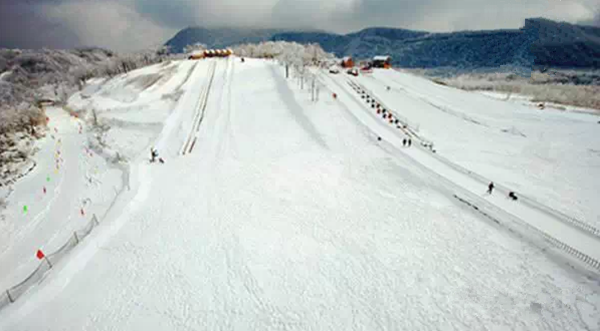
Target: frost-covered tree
[(286, 52), (197, 47), (30, 76)]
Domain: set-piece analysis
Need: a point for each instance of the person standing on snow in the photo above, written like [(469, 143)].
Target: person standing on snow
[(490, 188), (153, 155), (404, 142), (409, 142)]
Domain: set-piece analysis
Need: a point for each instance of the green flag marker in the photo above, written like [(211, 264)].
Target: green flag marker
[(25, 209), (48, 178)]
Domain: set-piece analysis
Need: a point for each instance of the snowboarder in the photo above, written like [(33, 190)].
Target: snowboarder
[(404, 142), (378, 138), (512, 196), (409, 142), (490, 188), (389, 88), (153, 155)]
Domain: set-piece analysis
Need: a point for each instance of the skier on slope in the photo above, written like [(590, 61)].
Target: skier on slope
[(490, 188), (153, 155)]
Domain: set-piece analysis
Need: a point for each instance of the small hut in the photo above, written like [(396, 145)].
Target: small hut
[(382, 61), (347, 62)]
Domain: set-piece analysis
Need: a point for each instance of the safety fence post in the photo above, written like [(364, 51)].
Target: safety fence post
[(48, 261), (9, 297)]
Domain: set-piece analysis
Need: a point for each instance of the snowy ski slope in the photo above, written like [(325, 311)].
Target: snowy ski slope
[(547, 154), (64, 165), (75, 174), (578, 236), (290, 214)]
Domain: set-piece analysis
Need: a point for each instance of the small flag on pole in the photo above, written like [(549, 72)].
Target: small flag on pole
[(44, 189), (24, 209), (40, 255), (82, 212)]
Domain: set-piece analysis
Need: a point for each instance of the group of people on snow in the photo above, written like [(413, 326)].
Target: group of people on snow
[(511, 195), (405, 142), (154, 156)]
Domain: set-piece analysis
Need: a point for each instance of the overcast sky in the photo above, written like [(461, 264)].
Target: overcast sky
[(125, 25)]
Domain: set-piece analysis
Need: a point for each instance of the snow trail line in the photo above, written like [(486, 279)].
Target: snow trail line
[(260, 227), (436, 103), (190, 142), (580, 241), (296, 109), (484, 181)]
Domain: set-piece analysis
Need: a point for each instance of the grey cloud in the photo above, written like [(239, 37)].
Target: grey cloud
[(208, 13), (133, 24), (174, 14), (24, 25), (596, 20)]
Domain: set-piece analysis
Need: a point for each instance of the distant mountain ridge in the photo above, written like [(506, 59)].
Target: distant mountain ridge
[(539, 43), (219, 37)]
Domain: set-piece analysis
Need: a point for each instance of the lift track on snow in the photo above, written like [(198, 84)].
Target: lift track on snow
[(190, 142), (588, 232)]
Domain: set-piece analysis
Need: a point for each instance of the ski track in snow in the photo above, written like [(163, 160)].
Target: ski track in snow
[(290, 215), (542, 153), (539, 217), (53, 216)]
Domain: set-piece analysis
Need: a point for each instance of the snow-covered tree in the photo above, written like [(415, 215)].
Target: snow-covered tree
[(197, 47), (28, 76), (290, 53)]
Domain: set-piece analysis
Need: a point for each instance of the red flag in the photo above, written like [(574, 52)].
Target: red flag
[(40, 255), (44, 189)]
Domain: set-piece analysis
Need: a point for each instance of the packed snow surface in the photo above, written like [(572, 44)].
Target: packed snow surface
[(550, 155), (290, 214)]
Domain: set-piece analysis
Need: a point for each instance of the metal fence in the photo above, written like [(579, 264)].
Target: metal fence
[(590, 261), (583, 226), (12, 294), (529, 201)]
